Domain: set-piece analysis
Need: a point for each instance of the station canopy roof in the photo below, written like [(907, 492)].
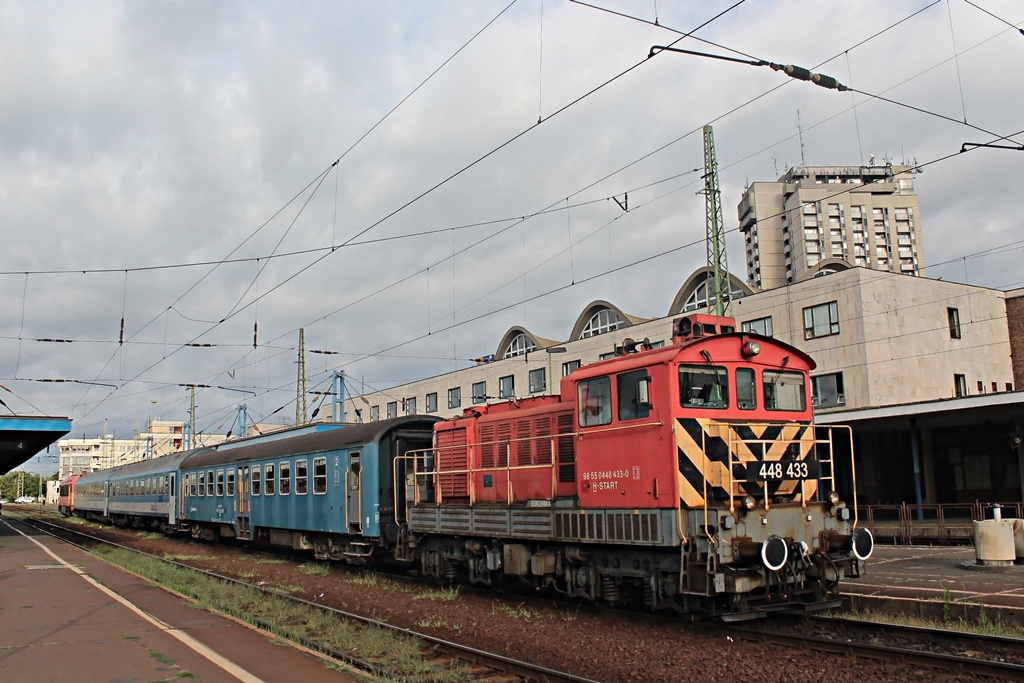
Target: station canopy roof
[(21, 437)]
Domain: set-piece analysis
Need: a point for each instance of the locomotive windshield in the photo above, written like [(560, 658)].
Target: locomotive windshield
[(703, 386), (784, 390)]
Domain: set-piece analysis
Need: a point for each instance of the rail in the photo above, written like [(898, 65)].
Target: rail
[(935, 523)]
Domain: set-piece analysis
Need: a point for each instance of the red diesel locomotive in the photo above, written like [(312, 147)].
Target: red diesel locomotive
[(688, 477)]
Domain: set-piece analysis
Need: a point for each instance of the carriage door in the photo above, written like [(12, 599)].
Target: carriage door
[(106, 499), (242, 504), (354, 507), (172, 502)]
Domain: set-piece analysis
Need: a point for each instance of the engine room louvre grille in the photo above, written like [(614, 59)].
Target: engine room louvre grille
[(504, 437), (542, 436), (524, 442), (566, 449), (488, 448), (452, 455)]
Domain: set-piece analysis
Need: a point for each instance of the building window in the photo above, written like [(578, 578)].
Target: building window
[(538, 380), (827, 390), (762, 326), (821, 320), (953, 315), (432, 402), (981, 387), (507, 386), (374, 413), (960, 385), (319, 476), (392, 409), (519, 345), (605, 320), (479, 392), (455, 397), (410, 406), (570, 367)]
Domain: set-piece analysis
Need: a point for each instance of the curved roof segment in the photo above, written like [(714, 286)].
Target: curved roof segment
[(519, 340), (694, 295), (600, 317)]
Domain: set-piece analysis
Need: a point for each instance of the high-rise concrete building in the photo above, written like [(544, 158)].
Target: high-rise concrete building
[(819, 219)]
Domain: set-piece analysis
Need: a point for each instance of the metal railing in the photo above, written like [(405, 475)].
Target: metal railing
[(936, 523)]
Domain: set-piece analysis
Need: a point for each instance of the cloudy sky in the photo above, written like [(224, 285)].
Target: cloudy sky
[(408, 180)]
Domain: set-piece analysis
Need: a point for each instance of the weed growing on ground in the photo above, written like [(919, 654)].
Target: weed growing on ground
[(315, 568), (444, 594)]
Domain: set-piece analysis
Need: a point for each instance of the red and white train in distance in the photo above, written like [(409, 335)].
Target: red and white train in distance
[(689, 477)]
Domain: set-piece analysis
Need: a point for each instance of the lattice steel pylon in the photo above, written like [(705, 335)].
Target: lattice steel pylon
[(718, 285), (300, 383)]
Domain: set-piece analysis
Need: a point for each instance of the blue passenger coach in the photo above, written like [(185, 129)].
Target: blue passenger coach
[(330, 491), (142, 494)]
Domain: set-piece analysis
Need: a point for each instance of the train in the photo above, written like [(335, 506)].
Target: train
[(686, 476)]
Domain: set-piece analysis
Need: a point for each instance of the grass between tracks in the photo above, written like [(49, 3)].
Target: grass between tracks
[(400, 656), (980, 623)]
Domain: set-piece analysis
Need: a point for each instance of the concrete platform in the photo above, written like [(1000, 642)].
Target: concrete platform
[(932, 582), (67, 616)]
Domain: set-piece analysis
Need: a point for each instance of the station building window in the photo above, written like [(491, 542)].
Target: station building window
[(455, 397), (821, 320), (953, 317), (392, 409), (762, 326), (374, 413), (479, 392), (507, 386), (570, 367), (827, 390), (538, 380), (432, 402), (960, 385), (410, 406)]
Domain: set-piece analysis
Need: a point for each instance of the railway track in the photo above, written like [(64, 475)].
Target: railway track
[(480, 665)]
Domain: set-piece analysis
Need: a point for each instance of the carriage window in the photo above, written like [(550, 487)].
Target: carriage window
[(209, 482), (220, 482), (595, 402), (202, 483), (746, 396), (285, 478), (231, 482), (268, 480), (703, 386), (192, 484), (784, 390), (161, 485), (319, 475), (300, 477), (256, 472), (634, 399)]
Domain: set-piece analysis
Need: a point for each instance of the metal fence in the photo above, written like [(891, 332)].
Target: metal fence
[(946, 523)]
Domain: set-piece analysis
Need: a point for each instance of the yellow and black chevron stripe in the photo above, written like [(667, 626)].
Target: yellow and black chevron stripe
[(703, 449)]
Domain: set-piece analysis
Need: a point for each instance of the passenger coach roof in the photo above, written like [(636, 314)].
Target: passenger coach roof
[(316, 442), (141, 468)]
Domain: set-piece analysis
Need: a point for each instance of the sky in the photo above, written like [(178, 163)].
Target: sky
[(186, 185)]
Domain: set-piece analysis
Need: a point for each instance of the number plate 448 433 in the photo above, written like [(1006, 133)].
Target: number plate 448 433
[(780, 470)]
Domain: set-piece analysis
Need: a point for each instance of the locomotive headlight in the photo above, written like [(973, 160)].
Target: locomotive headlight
[(750, 349), (833, 497), (749, 503)]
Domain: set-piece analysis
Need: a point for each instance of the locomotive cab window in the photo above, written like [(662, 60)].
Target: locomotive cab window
[(634, 395), (746, 395), (703, 386), (595, 402), (784, 390)]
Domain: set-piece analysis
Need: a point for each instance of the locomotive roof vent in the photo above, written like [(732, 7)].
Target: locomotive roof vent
[(698, 325)]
